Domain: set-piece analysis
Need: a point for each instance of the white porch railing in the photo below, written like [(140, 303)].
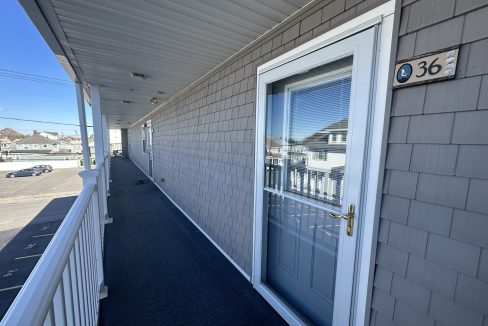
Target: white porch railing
[(67, 283)]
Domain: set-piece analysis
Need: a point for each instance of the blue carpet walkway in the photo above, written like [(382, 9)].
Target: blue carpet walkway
[(160, 270)]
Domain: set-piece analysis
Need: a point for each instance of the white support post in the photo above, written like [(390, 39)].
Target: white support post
[(92, 177), (105, 135), (99, 133), (107, 151), (83, 132), (97, 125)]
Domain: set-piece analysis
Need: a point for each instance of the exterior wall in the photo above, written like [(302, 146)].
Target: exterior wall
[(135, 148), (44, 147), (124, 136), (432, 258), (204, 138)]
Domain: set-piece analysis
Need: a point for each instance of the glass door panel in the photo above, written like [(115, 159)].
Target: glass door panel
[(307, 124)]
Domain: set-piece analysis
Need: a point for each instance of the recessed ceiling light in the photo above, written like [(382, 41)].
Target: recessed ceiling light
[(138, 75), (125, 101), (154, 100), (161, 92)]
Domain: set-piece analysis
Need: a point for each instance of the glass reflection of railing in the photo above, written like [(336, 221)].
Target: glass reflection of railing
[(273, 176), (322, 185)]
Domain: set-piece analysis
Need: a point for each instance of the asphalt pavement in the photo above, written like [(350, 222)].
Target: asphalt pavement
[(31, 210)]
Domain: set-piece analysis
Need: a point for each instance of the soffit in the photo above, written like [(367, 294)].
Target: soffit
[(172, 42)]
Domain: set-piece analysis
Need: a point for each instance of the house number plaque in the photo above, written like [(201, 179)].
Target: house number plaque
[(441, 65)]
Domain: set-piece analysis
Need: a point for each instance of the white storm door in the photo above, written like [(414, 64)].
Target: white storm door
[(312, 116)]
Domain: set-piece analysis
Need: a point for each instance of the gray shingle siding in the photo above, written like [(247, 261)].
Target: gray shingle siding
[(135, 147), (204, 137), (433, 263)]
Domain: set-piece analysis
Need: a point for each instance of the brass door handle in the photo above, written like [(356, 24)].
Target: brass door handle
[(349, 217)]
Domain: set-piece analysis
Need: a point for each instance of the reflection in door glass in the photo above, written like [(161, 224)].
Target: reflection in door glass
[(307, 128)]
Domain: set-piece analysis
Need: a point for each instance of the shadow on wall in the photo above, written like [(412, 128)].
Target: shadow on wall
[(21, 248)]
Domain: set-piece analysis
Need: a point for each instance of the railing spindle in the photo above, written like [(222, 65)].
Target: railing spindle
[(79, 278), (59, 307), (84, 269), (49, 321), (74, 288), (68, 294)]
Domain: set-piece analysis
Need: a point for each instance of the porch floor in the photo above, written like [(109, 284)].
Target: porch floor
[(161, 270)]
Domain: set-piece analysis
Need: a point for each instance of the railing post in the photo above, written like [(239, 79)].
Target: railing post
[(93, 177), (103, 182)]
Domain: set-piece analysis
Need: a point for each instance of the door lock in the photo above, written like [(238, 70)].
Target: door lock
[(349, 217)]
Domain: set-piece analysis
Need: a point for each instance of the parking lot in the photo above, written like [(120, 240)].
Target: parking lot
[(31, 210)]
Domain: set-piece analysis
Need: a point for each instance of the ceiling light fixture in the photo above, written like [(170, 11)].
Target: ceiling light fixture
[(138, 75), (154, 100), (161, 92), (125, 101), (133, 90)]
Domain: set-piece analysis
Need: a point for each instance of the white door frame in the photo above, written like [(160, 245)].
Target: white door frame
[(382, 18), (150, 155)]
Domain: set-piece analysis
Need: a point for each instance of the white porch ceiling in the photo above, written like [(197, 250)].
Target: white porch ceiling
[(172, 42)]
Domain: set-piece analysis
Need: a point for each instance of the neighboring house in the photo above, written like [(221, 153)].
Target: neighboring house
[(71, 144), (36, 144), (6, 146), (288, 134), (65, 146), (76, 146)]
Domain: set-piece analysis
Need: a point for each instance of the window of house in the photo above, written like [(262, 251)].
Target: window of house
[(45, 146)]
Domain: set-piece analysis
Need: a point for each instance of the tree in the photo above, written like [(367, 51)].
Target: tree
[(11, 134)]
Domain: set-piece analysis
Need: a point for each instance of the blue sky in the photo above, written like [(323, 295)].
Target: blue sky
[(24, 50)]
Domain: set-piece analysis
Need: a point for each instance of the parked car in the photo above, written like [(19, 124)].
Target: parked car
[(43, 168), (24, 173)]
